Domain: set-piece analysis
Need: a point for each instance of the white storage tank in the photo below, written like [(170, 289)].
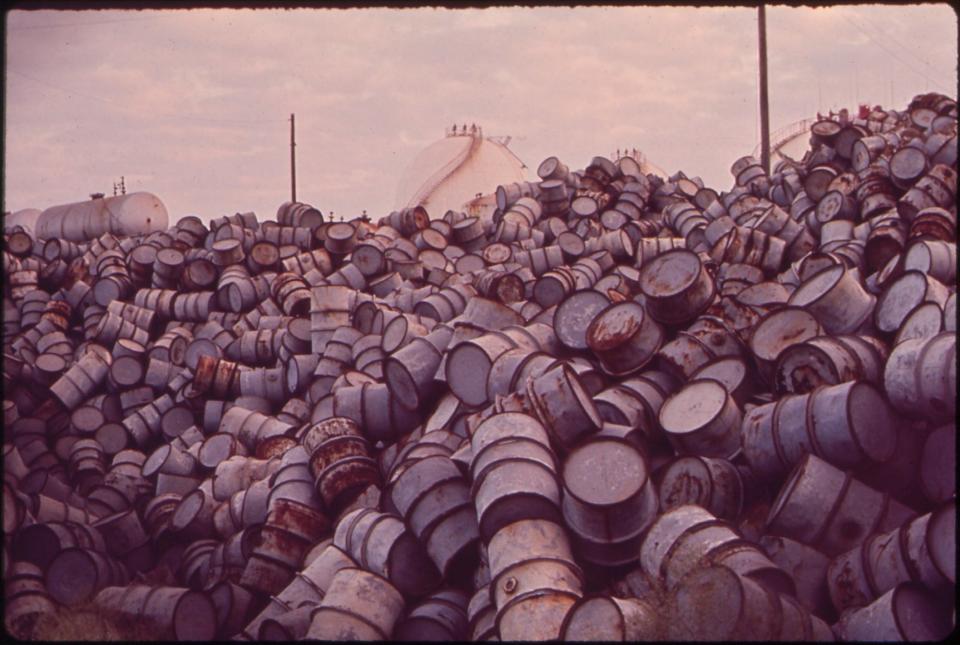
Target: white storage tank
[(450, 173), (131, 214), (25, 218)]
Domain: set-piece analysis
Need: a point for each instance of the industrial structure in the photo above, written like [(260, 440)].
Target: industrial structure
[(137, 213), (458, 171), (25, 218)]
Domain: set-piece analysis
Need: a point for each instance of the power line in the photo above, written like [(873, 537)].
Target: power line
[(171, 115), (894, 54), (59, 89), (83, 24), (903, 48)]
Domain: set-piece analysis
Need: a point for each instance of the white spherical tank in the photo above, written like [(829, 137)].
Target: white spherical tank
[(132, 214), (25, 218), (449, 173)]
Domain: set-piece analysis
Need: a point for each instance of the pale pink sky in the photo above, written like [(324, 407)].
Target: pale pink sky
[(193, 105)]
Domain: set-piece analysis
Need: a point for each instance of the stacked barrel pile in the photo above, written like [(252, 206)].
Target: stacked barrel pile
[(618, 408)]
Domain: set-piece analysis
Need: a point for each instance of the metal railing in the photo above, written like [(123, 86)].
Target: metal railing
[(474, 130), (787, 133)]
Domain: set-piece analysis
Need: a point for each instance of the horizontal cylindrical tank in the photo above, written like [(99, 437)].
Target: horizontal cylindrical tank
[(25, 218), (133, 214)]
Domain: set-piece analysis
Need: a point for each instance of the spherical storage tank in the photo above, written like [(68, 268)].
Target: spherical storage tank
[(454, 170), (131, 214)]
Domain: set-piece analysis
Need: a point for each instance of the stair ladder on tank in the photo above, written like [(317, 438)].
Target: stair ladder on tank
[(446, 171)]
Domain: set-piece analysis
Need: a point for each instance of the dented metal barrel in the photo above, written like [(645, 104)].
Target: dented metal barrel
[(608, 500)]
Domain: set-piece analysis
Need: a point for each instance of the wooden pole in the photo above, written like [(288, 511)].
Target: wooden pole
[(293, 162), (764, 103)]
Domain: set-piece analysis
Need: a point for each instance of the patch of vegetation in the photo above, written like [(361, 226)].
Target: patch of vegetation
[(88, 622)]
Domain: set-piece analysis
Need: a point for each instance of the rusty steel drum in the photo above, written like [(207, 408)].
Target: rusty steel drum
[(624, 338), (806, 566), (855, 511), (359, 605), (513, 471), (836, 296), (850, 425), (714, 602), (40, 542), (908, 612), (440, 617), (77, 574), (382, 543), (920, 377), (688, 537), (428, 493), (715, 484), (534, 579), (827, 360), (608, 618), (921, 551), (608, 499), (938, 470), (339, 460), (24, 595), (572, 316), (182, 613), (562, 403), (702, 419), (779, 330), (677, 287), (320, 571)]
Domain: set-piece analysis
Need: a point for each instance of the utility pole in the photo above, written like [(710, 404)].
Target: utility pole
[(293, 162), (764, 104)]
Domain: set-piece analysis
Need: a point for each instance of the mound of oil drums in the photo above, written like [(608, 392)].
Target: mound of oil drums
[(616, 407)]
